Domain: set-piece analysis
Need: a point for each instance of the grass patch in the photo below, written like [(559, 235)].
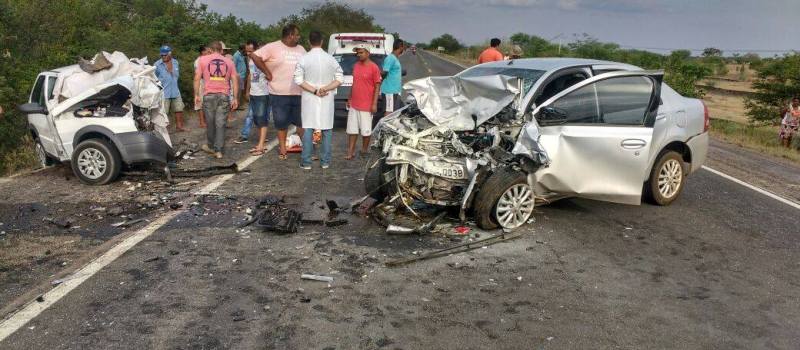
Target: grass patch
[(18, 159), (758, 138)]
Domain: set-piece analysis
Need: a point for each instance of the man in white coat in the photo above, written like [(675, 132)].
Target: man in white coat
[(318, 74)]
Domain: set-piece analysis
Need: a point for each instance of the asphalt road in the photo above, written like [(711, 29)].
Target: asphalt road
[(718, 269)]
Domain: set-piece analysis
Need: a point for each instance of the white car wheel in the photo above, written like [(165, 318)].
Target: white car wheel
[(41, 155), (92, 163)]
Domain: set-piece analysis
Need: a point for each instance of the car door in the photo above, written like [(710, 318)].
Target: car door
[(40, 120), (597, 135)]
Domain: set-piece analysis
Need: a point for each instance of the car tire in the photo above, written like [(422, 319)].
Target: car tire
[(504, 184), (373, 178), (96, 162), (41, 155), (666, 179)]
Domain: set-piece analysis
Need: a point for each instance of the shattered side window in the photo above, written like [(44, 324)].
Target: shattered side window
[(528, 76)]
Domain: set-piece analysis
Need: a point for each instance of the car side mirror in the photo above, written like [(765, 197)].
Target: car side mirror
[(32, 108), (551, 116), (404, 72)]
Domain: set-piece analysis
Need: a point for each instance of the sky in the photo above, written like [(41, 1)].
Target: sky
[(767, 27)]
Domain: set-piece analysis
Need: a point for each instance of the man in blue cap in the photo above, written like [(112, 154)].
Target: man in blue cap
[(168, 71)]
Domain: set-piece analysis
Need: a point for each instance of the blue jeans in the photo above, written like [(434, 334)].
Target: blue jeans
[(248, 123), (325, 148)]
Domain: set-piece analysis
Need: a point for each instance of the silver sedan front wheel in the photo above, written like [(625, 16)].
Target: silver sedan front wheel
[(515, 206)]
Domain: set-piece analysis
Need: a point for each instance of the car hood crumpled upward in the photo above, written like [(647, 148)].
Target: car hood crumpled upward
[(453, 101)]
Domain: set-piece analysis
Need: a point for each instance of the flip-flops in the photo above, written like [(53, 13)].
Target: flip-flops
[(256, 152)]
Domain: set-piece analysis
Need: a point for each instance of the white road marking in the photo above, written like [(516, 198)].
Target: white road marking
[(33, 308), (755, 188)]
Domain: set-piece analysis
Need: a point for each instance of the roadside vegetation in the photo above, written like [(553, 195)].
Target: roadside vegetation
[(67, 29)]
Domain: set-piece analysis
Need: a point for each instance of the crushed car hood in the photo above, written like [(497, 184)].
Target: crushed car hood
[(463, 103)]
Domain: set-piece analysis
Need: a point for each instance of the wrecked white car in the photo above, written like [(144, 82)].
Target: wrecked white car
[(501, 136), (98, 116)]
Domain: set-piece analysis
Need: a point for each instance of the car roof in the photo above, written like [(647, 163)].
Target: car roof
[(554, 63)]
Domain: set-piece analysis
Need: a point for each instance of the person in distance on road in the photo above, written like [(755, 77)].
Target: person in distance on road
[(278, 60), (790, 122), (491, 53), (220, 77), (168, 72), (318, 74), (363, 101), (202, 50), (391, 87)]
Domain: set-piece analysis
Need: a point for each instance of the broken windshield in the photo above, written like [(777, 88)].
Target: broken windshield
[(347, 61), (528, 76)]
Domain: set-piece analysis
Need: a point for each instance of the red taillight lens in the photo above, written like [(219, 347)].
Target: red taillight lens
[(706, 118)]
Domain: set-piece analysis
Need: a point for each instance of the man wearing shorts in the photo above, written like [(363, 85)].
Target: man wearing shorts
[(363, 101), (259, 100), (391, 87), (168, 71), (279, 59), (219, 74)]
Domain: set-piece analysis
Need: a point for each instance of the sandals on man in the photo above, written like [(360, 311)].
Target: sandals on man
[(283, 156), (256, 152)]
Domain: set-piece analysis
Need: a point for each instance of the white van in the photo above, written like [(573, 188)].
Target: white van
[(341, 47)]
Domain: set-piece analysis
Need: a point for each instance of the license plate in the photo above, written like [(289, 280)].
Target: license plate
[(450, 171)]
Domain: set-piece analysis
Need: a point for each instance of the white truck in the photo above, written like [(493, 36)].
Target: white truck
[(98, 122), (341, 47)]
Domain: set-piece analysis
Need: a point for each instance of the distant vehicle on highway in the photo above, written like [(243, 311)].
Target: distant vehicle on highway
[(341, 47), (98, 121), (414, 49), (501, 135)]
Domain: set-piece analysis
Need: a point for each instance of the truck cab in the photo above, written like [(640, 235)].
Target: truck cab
[(340, 46)]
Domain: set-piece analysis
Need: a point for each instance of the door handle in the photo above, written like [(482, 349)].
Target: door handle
[(633, 143)]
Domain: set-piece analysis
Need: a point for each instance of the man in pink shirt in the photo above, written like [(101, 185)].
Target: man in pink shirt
[(363, 101), (219, 75), (491, 53), (278, 60)]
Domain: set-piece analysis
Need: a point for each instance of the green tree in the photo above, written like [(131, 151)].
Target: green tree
[(448, 42), (777, 81), (328, 18)]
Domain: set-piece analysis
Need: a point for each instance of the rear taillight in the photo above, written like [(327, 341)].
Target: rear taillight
[(706, 118)]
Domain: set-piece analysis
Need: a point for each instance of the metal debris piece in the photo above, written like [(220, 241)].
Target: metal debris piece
[(320, 278), (273, 215), (127, 223), (459, 248), (63, 223)]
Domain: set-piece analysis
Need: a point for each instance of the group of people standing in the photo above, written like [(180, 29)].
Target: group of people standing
[(284, 81)]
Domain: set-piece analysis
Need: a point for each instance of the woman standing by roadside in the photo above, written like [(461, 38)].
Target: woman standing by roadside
[(790, 122)]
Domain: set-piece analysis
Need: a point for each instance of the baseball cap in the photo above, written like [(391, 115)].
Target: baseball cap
[(165, 49), (224, 47), (361, 46)]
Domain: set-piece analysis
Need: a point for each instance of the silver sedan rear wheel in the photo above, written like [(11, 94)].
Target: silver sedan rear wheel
[(670, 177), (515, 206)]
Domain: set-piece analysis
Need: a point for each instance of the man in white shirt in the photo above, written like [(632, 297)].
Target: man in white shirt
[(318, 74)]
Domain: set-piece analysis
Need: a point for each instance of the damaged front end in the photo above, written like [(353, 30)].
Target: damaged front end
[(441, 148)]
